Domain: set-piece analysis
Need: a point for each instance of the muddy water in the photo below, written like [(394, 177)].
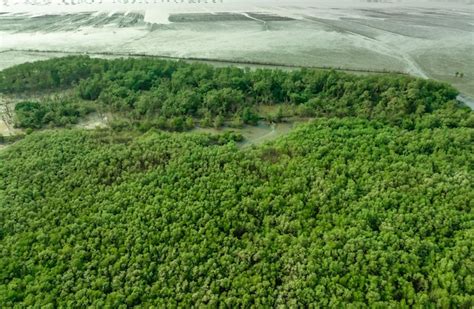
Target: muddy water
[(254, 135), (466, 101)]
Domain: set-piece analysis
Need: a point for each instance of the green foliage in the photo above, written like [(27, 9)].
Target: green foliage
[(218, 121), (206, 122), (249, 117), (90, 89), (223, 101), (30, 114), (6, 139), (370, 205), (237, 122), (277, 117), (55, 112), (176, 123), (342, 212), (150, 88), (55, 73)]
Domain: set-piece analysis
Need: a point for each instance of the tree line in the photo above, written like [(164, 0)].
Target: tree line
[(150, 90)]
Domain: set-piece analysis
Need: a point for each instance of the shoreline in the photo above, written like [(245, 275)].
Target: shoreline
[(204, 59)]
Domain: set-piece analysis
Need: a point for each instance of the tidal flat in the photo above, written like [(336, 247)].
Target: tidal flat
[(430, 40)]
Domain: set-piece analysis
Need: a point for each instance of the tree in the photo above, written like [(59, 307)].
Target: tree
[(249, 117), (223, 101), (90, 89), (29, 114), (218, 121)]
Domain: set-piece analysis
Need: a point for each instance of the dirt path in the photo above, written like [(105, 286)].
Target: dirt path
[(6, 117)]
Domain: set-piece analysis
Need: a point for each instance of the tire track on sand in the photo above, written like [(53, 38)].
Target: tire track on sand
[(378, 46)]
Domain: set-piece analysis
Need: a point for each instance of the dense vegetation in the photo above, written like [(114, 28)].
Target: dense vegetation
[(170, 95), (342, 211), (59, 113), (362, 207)]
